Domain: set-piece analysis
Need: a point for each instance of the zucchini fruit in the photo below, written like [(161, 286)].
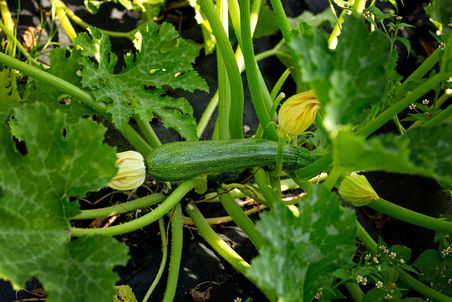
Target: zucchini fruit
[(184, 160)]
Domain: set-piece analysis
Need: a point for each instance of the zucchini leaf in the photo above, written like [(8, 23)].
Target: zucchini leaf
[(63, 64), (163, 61), (350, 80), (421, 151), (59, 160), (302, 253)]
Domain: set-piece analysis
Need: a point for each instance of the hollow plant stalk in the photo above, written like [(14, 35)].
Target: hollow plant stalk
[(241, 219), (144, 220), (410, 216), (162, 262), (122, 208), (235, 80), (259, 93), (175, 254)]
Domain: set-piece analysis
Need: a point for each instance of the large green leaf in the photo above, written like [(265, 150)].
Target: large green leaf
[(64, 64), (302, 253), (164, 60), (421, 151), (8, 98), (61, 160), (350, 80)]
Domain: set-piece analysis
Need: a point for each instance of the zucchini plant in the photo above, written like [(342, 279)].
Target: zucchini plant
[(323, 141)]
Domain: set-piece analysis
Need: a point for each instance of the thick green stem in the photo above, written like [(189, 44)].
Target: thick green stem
[(419, 72), (266, 188), (241, 219), (315, 168), (215, 241), (162, 263), (175, 255), (410, 216), (127, 131), (354, 290), (64, 20), (122, 208), (421, 288), (281, 18), (224, 87), (148, 132), (210, 109), (235, 80), (143, 221), (77, 20), (412, 97), (259, 94), (440, 117)]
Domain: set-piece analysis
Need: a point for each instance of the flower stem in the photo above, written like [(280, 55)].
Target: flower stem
[(410, 216), (143, 221), (77, 20), (235, 80), (162, 263), (122, 208), (266, 188), (241, 219), (260, 96), (175, 255), (65, 22)]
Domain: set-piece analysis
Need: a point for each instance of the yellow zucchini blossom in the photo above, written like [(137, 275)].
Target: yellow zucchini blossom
[(131, 171), (357, 190), (297, 114)]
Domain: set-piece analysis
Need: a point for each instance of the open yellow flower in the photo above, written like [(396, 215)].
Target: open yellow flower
[(131, 171), (357, 190), (297, 114)]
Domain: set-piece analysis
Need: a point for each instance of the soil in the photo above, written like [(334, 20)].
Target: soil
[(204, 275)]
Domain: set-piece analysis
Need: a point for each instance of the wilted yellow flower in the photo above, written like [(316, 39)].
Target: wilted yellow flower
[(131, 171), (297, 113), (357, 190)]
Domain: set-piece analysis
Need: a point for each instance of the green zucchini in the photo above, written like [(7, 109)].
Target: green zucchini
[(184, 160)]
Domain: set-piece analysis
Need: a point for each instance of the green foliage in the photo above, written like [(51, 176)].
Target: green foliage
[(302, 253), (422, 151), (9, 98), (436, 268), (350, 80), (61, 162), (150, 7), (164, 61), (64, 64)]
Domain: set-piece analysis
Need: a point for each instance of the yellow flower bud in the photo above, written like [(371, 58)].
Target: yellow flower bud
[(297, 113), (357, 190), (131, 171)]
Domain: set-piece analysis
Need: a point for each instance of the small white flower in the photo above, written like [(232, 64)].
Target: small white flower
[(376, 260), (392, 255), (388, 297), (367, 257), (402, 260), (412, 106), (359, 278), (442, 45), (379, 284), (425, 101)]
